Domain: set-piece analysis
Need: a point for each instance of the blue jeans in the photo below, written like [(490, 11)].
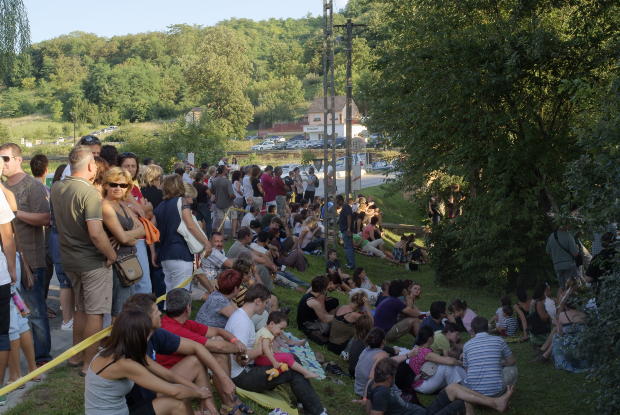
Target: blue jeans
[(348, 249), (35, 299), (293, 278), (144, 285)]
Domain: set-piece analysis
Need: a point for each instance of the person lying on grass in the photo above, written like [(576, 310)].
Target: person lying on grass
[(276, 323), (123, 363), (384, 398)]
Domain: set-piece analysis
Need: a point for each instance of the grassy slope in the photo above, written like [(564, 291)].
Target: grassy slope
[(541, 389)]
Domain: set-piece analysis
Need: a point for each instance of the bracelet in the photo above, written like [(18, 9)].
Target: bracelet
[(234, 340)]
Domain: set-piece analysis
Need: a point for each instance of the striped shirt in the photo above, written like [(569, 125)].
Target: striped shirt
[(482, 358)]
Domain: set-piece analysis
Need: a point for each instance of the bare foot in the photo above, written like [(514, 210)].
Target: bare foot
[(311, 376), (502, 402)]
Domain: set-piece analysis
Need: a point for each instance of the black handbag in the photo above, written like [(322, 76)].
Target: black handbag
[(128, 269)]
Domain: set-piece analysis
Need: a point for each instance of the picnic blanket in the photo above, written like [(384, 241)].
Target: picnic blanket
[(276, 398), (305, 355)]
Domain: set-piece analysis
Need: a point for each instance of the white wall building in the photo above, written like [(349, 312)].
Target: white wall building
[(315, 126)]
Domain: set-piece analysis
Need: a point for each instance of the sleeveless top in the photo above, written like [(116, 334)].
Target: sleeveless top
[(127, 224), (304, 312), (341, 330), (105, 396), (362, 369), (171, 243), (416, 363), (536, 324)]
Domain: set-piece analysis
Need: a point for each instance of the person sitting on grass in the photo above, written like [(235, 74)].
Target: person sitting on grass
[(505, 318), (384, 398), (315, 311), (356, 346), (437, 314), (254, 378), (374, 351), (216, 310), (361, 283), (192, 368), (486, 359), (216, 340), (447, 341), (124, 362), (342, 328), (333, 266), (276, 324), (449, 369), (389, 310), (462, 315), (338, 283)]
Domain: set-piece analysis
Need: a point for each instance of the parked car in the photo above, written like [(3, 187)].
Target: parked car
[(265, 145), (280, 146), (298, 137), (382, 165), (276, 138)]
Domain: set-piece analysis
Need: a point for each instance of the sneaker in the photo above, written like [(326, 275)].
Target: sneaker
[(68, 326), (2, 400)]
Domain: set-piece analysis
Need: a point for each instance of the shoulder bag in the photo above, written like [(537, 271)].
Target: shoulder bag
[(128, 269), (194, 245), (579, 258)]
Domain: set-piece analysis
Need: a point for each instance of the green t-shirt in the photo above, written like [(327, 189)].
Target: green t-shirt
[(358, 240), (75, 201), (441, 344)]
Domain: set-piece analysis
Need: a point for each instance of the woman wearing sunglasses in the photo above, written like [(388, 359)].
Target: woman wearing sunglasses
[(120, 223)]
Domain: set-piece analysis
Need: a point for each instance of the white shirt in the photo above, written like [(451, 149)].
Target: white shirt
[(372, 295), (187, 178), (247, 218), (6, 216), (550, 308), (257, 248), (212, 265), (66, 172), (240, 325), (247, 187)]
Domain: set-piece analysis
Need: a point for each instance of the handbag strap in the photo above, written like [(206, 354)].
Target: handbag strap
[(555, 235)]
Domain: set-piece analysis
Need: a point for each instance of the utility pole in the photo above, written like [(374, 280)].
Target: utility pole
[(328, 88), (349, 99)]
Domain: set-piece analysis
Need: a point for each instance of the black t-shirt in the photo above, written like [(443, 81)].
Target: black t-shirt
[(153, 195), (254, 182), (304, 312), (335, 265), (202, 197), (162, 342), (342, 219)]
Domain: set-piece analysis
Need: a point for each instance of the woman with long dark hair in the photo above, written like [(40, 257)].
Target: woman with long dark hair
[(122, 362)]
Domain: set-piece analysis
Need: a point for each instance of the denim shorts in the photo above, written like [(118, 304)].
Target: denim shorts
[(18, 324)]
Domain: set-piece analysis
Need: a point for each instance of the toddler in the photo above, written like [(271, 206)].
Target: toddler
[(505, 318), (276, 323)]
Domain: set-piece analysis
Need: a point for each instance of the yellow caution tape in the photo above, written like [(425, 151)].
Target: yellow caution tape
[(72, 351)]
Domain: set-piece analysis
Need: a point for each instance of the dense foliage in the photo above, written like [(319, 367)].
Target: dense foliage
[(246, 71), (486, 91)]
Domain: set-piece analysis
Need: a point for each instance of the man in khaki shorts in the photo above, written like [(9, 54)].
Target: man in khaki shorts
[(85, 249)]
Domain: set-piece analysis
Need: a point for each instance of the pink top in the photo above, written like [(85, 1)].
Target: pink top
[(468, 316), (416, 362), (368, 229)]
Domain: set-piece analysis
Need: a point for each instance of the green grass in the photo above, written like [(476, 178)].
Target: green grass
[(540, 390)]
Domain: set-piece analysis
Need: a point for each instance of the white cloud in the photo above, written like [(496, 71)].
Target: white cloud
[(340, 4)]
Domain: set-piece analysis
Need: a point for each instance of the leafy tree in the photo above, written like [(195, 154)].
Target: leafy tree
[(483, 91), (219, 74), (278, 99), (5, 134), (14, 34)]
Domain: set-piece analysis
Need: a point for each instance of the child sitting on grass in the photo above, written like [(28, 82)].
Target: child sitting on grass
[(276, 323), (361, 282), (505, 318)]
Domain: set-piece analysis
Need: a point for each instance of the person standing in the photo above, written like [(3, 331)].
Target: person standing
[(31, 218), (563, 250), (224, 196), (266, 180), (85, 249), (280, 191), (313, 183), (299, 185), (8, 277), (345, 224)]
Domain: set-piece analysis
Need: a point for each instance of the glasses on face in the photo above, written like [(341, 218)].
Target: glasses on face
[(121, 185), (6, 158)]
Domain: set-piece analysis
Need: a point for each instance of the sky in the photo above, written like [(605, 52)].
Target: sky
[(51, 18)]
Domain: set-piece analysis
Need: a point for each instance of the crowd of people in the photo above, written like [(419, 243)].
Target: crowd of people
[(118, 232)]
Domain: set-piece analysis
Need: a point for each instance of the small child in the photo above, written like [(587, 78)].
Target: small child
[(506, 321), (276, 323), (399, 250), (333, 266)]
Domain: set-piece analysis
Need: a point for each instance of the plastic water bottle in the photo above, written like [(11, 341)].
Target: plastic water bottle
[(20, 304)]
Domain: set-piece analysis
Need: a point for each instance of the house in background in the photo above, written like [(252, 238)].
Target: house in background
[(193, 115), (314, 128)]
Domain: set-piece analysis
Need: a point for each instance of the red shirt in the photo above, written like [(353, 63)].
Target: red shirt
[(268, 187), (189, 330), (280, 187), (137, 193)]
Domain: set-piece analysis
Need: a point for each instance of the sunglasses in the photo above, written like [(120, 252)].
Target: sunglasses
[(121, 185)]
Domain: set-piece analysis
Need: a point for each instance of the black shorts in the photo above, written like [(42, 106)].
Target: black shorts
[(143, 408)]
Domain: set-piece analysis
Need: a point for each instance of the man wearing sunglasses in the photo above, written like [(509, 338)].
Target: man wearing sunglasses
[(86, 252), (31, 217), (90, 141)]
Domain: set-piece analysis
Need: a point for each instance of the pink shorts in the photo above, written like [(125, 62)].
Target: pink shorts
[(280, 357)]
